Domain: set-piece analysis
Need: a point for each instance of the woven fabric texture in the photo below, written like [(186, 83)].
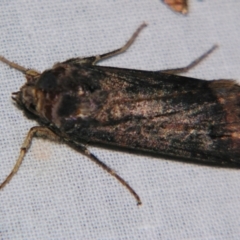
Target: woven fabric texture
[(59, 193)]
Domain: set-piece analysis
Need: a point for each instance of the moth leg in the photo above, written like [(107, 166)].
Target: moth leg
[(31, 73), (122, 49), (34, 131), (85, 151), (192, 64)]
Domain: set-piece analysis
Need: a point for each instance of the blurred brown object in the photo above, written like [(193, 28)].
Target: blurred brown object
[(180, 6)]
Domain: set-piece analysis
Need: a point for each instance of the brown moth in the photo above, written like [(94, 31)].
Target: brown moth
[(78, 102)]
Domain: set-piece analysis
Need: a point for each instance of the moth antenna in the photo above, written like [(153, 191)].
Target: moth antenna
[(13, 65), (28, 72)]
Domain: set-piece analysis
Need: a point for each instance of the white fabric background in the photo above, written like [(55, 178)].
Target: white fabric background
[(60, 194)]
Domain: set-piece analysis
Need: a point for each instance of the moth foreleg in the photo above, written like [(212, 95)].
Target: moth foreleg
[(34, 131)]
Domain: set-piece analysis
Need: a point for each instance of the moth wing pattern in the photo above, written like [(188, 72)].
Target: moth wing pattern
[(166, 114), (152, 111)]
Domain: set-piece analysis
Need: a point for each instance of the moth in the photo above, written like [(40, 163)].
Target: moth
[(159, 112)]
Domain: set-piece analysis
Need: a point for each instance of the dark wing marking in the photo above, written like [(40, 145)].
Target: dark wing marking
[(166, 114)]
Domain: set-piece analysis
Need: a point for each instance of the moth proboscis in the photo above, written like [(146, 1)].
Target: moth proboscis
[(78, 102)]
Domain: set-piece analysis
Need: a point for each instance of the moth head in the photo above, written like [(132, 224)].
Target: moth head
[(62, 93), (39, 93), (26, 97)]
